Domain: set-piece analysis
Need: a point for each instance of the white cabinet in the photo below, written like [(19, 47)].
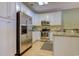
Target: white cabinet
[(66, 46), (37, 20), (7, 37), (71, 19), (51, 36), (4, 9), (11, 38), (12, 10), (3, 38), (8, 10), (36, 35), (56, 18)]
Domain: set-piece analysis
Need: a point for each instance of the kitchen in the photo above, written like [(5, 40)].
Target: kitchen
[(54, 31), (61, 28)]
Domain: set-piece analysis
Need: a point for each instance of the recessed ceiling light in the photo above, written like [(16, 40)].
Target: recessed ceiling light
[(42, 3), (45, 2)]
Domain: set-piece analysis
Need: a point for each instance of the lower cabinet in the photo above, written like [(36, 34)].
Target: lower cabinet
[(7, 38), (3, 38), (11, 38), (36, 35), (66, 46)]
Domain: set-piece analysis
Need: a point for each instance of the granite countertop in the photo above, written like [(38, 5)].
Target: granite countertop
[(69, 34)]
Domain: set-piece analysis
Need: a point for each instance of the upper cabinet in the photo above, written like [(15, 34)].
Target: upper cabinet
[(55, 18), (8, 10), (4, 9), (37, 20), (71, 19), (12, 10)]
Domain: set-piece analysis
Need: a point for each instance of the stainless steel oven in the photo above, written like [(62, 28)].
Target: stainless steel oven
[(45, 30)]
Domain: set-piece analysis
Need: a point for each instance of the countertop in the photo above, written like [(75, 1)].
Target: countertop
[(68, 34)]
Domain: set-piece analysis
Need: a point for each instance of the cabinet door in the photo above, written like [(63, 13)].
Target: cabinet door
[(3, 9), (3, 38), (57, 45), (66, 46), (37, 20), (51, 19), (12, 10), (36, 35), (11, 38), (55, 18), (7, 38)]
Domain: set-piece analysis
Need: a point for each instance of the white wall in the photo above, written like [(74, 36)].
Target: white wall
[(21, 7)]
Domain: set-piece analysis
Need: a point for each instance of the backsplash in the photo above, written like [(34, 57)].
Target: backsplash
[(52, 28), (56, 28), (71, 30), (36, 28)]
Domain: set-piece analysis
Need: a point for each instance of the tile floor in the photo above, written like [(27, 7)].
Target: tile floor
[(37, 51)]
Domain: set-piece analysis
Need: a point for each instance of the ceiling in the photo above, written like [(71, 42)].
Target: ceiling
[(51, 6)]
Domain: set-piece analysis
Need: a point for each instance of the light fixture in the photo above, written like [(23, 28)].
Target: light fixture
[(42, 3), (45, 2)]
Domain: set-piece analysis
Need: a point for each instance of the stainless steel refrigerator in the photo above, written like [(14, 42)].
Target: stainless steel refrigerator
[(23, 33)]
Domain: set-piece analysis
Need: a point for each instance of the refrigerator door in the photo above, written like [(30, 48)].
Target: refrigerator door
[(24, 33)]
